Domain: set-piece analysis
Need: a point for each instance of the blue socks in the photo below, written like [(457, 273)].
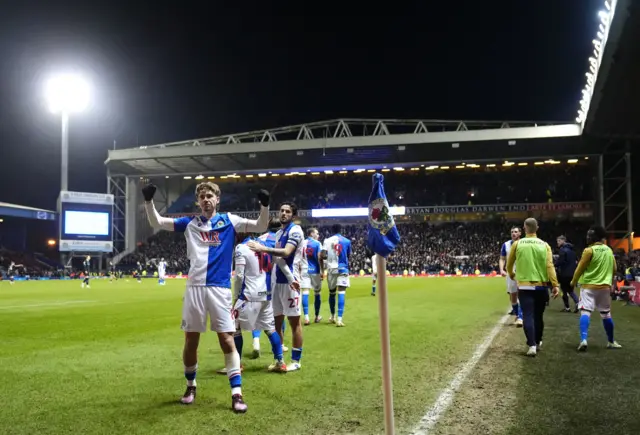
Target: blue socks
[(316, 303), (332, 302), (341, 299), (608, 327), (276, 345), (238, 340), (373, 289), (255, 333), (305, 303), (585, 319), (296, 354)]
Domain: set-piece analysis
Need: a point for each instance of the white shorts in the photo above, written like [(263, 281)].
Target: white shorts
[(311, 282), (595, 300), (374, 275), (335, 280), (200, 301), (161, 275), (254, 315), (512, 286), (285, 301)]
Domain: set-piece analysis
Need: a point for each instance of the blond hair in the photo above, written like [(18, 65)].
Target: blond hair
[(207, 186)]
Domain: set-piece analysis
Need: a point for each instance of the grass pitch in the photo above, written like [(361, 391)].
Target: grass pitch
[(108, 360)]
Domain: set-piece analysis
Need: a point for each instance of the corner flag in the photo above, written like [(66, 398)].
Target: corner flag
[(383, 235)]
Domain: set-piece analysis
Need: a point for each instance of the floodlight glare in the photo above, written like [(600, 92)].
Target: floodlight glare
[(67, 93)]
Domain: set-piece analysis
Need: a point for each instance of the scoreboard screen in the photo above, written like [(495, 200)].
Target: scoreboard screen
[(86, 222)]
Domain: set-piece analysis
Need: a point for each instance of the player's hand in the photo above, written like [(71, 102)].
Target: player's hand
[(263, 197), (255, 246), (503, 273), (572, 284), (295, 285), (555, 292), (512, 276), (148, 191)]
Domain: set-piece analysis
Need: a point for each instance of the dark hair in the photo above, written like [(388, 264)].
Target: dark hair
[(294, 208), (336, 228), (274, 224), (516, 228), (563, 238), (598, 232), (311, 230)]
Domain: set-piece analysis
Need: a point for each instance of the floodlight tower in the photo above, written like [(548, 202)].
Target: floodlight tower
[(66, 94)]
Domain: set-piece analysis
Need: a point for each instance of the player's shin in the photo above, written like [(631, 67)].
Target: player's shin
[(607, 322), (317, 302), (237, 339), (585, 319), (276, 345), (332, 302), (232, 363), (341, 301), (305, 304)]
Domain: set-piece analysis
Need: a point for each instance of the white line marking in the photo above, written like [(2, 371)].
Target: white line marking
[(45, 305), (431, 418)]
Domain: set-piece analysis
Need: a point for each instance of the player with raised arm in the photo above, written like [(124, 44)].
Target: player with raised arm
[(337, 250), (210, 248), (595, 274), (253, 308), (12, 270), (512, 286), (162, 270), (312, 277), (86, 265), (112, 272), (286, 300)]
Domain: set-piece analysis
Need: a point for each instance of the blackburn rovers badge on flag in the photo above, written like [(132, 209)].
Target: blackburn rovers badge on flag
[(379, 216)]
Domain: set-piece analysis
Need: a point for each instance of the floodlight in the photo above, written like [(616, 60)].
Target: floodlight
[(67, 93)]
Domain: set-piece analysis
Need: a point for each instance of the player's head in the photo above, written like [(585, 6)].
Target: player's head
[(162, 259), (596, 234), (313, 233), (288, 211), (561, 240), (274, 225), (530, 226), (336, 228), (208, 196), (516, 232)]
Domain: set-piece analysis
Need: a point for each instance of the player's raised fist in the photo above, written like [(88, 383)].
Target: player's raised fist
[(263, 197), (148, 191)]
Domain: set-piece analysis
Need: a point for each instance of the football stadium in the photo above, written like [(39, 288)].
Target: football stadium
[(433, 344)]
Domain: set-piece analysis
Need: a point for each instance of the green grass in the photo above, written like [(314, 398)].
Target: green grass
[(108, 360)]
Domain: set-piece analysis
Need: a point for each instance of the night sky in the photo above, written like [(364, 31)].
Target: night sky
[(164, 73)]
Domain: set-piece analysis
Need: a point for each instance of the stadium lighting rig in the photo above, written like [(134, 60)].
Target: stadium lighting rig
[(599, 42), (67, 94)]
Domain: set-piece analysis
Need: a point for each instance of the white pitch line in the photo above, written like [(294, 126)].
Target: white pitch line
[(431, 418), (45, 305)]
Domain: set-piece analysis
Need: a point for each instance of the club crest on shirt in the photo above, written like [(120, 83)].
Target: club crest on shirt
[(379, 216)]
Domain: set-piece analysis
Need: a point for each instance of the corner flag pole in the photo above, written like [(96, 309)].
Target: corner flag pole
[(385, 345)]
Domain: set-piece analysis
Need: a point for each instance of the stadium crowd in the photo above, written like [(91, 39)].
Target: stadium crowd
[(513, 184), (423, 247)]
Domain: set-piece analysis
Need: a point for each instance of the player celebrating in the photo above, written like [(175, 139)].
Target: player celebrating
[(86, 264), (595, 274), (139, 272), (286, 300), (269, 240), (512, 286), (11, 271), (337, 250), (253, 299), (210, 238), (162, 269), (112, 272), (312, 276)]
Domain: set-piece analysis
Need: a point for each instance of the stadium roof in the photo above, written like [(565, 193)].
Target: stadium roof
[(22, 211), (615, 105), (352, 143)]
